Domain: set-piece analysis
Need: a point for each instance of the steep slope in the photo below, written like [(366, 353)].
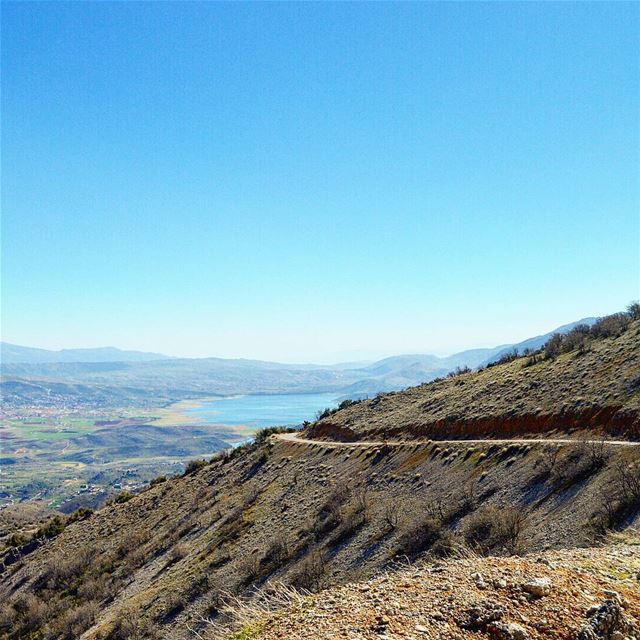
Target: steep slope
[(315, 514), (468, 598), (595, 387), (532, 344), (308, 515)]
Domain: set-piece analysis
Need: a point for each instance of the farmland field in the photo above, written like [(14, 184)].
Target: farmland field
[(69, 458)]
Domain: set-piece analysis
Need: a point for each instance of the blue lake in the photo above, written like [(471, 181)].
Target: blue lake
[(262, 411)]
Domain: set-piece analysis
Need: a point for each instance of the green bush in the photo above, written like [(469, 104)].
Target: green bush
[(16, 539), (80, 514), (193, 466), (325, 413), (262, 435), (52, 528)]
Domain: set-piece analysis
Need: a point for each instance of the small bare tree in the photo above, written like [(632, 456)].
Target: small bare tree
[(391, 515)]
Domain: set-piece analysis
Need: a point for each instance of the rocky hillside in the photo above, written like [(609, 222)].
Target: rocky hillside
[(573, 594), (308, 515), (589, 383), (313, 515)]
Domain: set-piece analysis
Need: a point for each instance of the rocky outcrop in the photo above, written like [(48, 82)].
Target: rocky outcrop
[(608, 622), (609, 422)]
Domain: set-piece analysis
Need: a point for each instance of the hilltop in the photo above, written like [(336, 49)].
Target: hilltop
[(593, 385), (478, 521)]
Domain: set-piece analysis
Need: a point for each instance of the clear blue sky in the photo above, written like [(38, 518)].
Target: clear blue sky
[(316, 181)]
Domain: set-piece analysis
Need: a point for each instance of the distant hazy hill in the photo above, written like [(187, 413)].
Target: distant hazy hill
[(398, 372), (117, 378), (13, 353)]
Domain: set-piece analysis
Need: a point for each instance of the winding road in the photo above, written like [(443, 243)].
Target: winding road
[(296, 438)]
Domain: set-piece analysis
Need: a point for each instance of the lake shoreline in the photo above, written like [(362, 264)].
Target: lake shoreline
[(249, 413)]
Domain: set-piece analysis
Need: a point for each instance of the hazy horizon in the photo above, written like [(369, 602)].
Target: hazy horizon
[(329, 358), (316, 182)]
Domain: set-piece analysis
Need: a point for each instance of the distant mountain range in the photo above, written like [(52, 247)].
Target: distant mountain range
[(112, 377), (13, 353)]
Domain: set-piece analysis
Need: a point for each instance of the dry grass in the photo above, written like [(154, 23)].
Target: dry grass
[(513, 399), (242, 617)]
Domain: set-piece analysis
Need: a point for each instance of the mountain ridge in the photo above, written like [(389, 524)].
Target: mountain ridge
[(167, 380), (19, 354)]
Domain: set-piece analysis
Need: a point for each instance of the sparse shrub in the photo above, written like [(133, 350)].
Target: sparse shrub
[(633, 310), (200, 583), (193, 466), (221, 456), (277, 552), (420, 536), (494, 528), (174, 603), (178, 552), (8, 617), (458, 371), (534, 358), (122, 497), (465, 505), (350, 519), (611, 326), (249, 568), (391, 515), (311, 571), (584, 460), (63, 573), (447, 544), (553, 346), (130, 541), (158, 480), (128, 626), (335, 500), (436, 510), (74, 622), (576, 338), (506, 357), (80, 514), (236, 452), (620, 498), (249, 497), (325, 413), (52, 528), (16, 539), (98, 587), (262, 435), (329, 516), (348, 403), (547, 461), (31, 611)]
